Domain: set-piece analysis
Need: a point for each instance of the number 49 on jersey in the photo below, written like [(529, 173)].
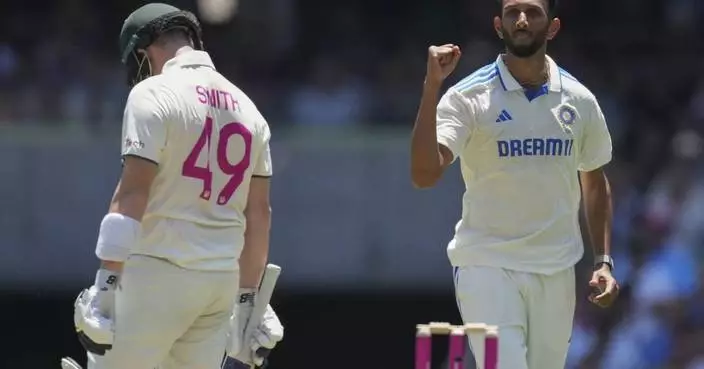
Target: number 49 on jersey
[(234, 171)]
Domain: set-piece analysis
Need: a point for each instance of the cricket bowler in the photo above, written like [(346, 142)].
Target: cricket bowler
[(532, 142), (186, 237)]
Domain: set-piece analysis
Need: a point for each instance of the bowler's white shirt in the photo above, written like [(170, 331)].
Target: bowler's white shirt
[(208, 139), (520, 153)]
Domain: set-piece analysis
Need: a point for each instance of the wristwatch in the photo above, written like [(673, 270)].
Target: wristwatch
[(603, 259)]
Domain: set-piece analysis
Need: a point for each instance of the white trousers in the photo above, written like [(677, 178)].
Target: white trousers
[(168, 317), (534, 313)]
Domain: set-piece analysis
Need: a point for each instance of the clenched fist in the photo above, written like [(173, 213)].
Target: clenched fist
[(442, 60)]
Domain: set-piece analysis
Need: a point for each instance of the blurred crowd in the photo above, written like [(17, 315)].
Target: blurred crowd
[(351, 63)]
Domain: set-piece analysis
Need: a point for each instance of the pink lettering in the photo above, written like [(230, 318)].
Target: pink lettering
[(224, 95), (217, 99), (212, 98), (202, 95)]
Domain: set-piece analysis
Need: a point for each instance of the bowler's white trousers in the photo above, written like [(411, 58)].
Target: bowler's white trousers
[(169, 317), (534, 313)]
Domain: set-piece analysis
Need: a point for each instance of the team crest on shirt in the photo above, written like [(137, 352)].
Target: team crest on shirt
[(566, 114)]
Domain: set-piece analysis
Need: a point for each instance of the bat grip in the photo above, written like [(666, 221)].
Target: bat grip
[(261, 301)]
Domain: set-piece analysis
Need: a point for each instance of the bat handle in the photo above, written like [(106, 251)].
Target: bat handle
[(232, 363)]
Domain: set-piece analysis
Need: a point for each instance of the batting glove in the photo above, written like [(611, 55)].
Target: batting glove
[(92, 315), (255, 348)]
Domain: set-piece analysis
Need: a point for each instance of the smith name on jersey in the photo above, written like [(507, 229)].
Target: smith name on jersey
[(520, 152)]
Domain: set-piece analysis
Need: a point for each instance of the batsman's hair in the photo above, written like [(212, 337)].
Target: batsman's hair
[(172, 35), (551, 4)]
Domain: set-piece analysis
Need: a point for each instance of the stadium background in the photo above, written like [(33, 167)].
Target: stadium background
[(363, 252)]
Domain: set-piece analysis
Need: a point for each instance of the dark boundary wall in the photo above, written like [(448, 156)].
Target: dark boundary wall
[(331, 331)]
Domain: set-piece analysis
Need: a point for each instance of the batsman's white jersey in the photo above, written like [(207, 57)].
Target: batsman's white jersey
[(208, 139), (520, 153)]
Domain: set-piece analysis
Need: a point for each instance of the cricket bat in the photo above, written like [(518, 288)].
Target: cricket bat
[(266, 290)]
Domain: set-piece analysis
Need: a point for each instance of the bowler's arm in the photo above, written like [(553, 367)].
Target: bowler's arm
[(598, 210), (428, 157), (596, 151)]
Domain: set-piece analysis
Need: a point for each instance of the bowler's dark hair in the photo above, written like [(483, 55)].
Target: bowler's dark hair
[(552, 6)]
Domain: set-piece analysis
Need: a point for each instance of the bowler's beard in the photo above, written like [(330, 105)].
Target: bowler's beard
[(525, 51)]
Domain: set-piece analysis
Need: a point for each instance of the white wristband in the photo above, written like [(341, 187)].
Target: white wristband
[(118, 234)]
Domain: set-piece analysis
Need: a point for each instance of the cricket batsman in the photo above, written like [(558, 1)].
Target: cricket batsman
[(186, 237), (532, 142)]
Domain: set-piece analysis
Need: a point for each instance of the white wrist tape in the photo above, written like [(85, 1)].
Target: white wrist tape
[(246, 296), (106, 280), (118, 234)]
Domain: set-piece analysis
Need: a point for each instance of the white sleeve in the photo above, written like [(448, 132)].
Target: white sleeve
[(143, 125), (262, 165), (596, 141), (454, 122)]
